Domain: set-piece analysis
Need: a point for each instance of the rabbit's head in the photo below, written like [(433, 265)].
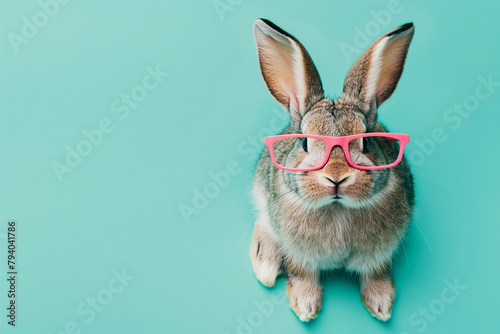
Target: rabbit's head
[(293, 80)]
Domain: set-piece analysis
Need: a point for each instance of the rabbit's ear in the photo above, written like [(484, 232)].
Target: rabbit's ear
[(288, 70), (374, 76)]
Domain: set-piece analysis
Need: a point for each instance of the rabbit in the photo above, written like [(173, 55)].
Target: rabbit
[(300, 229)]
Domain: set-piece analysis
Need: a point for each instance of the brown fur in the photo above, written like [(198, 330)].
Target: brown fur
[(306, 232)]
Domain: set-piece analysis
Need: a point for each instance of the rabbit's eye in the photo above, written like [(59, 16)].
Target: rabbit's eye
[(365, 144), (304, 144)]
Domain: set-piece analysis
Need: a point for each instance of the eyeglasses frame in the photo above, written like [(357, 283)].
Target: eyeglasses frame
[(343, 142)]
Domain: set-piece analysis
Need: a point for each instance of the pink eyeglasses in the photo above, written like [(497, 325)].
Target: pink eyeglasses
[(320, 147)]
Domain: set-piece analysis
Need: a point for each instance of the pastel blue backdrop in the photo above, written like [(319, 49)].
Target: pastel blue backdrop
[(134, 235)]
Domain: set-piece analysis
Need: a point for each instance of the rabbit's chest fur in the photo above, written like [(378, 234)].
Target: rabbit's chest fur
[(332, 236)]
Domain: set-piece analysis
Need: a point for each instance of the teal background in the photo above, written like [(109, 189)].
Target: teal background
[(121, 206)]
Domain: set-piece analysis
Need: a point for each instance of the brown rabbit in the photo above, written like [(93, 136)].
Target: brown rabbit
[(301, 229)]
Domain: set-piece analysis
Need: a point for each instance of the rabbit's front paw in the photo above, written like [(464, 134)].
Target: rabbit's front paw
[(305, 298), (378, 298)]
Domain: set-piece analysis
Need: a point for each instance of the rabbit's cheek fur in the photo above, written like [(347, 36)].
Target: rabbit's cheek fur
[(360, 188), (313, 189)]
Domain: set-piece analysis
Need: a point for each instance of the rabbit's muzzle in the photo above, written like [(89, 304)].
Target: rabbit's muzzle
[(338, 181)]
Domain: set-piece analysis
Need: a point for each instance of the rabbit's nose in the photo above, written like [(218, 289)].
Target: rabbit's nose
[(336, 191), (336, 182)]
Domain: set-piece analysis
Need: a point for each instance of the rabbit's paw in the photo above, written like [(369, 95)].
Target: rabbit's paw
[(378, 298), (305, 299)]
